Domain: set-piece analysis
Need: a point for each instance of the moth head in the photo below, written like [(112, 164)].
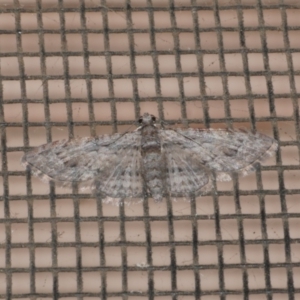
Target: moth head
[(147, 119)]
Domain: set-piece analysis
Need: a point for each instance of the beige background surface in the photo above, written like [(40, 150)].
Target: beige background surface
[(46, 242)]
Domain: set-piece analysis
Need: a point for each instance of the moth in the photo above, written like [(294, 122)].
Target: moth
[(150, 161)]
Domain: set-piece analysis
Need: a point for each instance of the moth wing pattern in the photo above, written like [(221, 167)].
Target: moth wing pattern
[(224, 151), (184, 174), (86, 161), (122, 176)]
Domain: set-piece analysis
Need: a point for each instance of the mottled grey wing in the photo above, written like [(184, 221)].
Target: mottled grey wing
[(223, 151), (86, 161), (122, 176), (184, 173)]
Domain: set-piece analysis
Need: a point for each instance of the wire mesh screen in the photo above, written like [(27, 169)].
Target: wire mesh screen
[(84, 68)]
